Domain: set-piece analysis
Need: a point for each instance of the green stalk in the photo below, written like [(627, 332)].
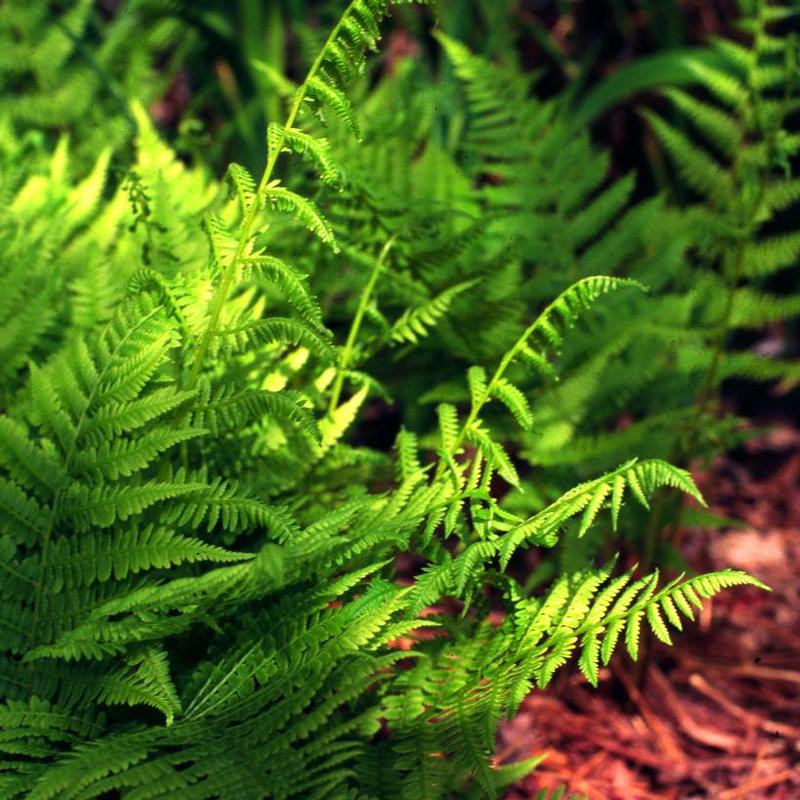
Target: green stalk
[(349, 346)]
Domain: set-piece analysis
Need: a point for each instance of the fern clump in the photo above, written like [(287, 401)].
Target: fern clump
[(199, 596)]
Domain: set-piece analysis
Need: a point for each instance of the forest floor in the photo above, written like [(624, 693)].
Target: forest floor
[(718, 716)]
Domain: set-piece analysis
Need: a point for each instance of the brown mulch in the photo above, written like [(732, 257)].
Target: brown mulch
[(718, 715)]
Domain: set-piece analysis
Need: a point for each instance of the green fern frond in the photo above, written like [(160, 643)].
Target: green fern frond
[(101, 557), (276, 330), (704, 174), (591, 619), (281, 199), (514, 400), (245, 186), (315, 150), (227, 409), (770, 255), (178, 468), (145, 679), (289, 283), (640, 478), (718, 127), (547, 332), (415, 323)]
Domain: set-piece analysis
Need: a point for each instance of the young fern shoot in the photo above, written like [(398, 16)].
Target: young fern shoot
[(342, 56)]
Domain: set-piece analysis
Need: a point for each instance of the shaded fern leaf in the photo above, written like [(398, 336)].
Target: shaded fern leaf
[(145, 680), (415, 323)]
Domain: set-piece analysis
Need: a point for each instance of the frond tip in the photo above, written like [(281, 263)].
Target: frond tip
[(589, 613)]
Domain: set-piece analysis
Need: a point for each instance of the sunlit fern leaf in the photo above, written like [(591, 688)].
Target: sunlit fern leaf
[(290, 284), (337, 100), (407, 455), (641, 478), (314, 149), (334, 426), (276, 330), (448, 425), (244, 184), (344, 56), (494, 453), (226, 408), (279, 198), (547, 332), (514, 400), (477, 381), (592, 616)]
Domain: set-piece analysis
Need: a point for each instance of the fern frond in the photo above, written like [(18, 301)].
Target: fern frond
[(245, 186), (770, 255), (719, 128), (228, 409), (124, 457), (315, 150), (705, 175), (344, 56), (290, 284), (547, 332), (640, 478), (415, 323), (722, 85), (514, 400), (276, 330), (591, 619), (146, 680), (494, 453), (304, 210), (98, 556)]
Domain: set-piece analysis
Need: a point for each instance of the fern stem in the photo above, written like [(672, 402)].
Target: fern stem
[(218, 302), (355, 327)]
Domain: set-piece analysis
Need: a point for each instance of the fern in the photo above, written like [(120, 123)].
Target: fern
[(74, 70), (197, 540)]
